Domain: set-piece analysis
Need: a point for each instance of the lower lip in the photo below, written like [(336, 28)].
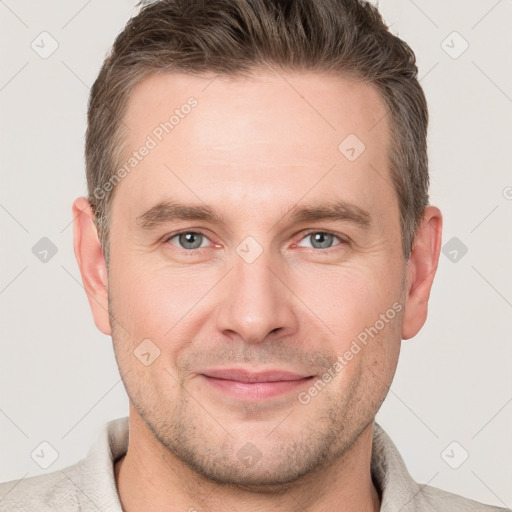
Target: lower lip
[(255, 390)]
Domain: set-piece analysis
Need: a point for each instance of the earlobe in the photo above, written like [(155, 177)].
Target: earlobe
[(421, 270), (89, 255)]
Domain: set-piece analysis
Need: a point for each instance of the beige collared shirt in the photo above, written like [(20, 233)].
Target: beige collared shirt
[(89, 485)]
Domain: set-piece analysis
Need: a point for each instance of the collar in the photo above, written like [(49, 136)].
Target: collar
[(97, 481)]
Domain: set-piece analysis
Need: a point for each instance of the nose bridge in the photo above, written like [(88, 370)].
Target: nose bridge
[(255, 301)]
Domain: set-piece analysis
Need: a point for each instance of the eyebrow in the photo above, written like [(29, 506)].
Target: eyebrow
[(171, 211), (331, 210)]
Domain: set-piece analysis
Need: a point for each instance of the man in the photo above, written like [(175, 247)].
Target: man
[(257, 240)]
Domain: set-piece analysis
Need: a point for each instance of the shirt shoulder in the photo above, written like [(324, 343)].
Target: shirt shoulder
[(400, 492), (86, 486), (53, 491), (434, 499)]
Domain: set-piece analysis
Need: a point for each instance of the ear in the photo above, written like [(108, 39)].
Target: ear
[(421, 269), (89, 255)]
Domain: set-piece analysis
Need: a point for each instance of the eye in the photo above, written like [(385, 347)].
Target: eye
[(320, 240), (189, 240)]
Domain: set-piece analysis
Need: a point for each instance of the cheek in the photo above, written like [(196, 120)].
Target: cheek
[(362, 308), (149, 310), (154, 302), (365, 312), (167, 306), (348, 299)]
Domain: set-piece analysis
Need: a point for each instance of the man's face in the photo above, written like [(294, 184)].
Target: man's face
[(251, 308)]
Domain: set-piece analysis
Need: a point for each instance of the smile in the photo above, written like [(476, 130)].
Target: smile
[(249, 385)]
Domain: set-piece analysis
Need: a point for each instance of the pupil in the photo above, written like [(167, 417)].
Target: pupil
[(322, 239), (189, 240)]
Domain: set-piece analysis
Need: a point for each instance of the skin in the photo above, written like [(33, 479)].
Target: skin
[(253, 149)]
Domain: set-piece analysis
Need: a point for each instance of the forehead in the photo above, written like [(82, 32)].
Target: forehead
[(261, 139), (320, 105)]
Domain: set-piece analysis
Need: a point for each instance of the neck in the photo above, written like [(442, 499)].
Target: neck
[(149, 478)]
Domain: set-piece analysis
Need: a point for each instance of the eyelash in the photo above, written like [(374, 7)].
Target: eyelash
[(191, 252)]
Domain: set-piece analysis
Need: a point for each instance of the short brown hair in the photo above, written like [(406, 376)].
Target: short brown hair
[(233, 37)]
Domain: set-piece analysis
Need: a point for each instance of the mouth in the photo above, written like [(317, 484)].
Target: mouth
[(254, 385)]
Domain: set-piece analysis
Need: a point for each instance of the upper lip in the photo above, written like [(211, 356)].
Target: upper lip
[(245, 375)]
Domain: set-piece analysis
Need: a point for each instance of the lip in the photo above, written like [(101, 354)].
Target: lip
[(254, 385)]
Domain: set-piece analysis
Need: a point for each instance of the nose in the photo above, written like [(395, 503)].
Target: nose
[(256, 302)]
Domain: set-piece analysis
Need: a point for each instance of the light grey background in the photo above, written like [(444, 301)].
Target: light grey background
[(58, 378)]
